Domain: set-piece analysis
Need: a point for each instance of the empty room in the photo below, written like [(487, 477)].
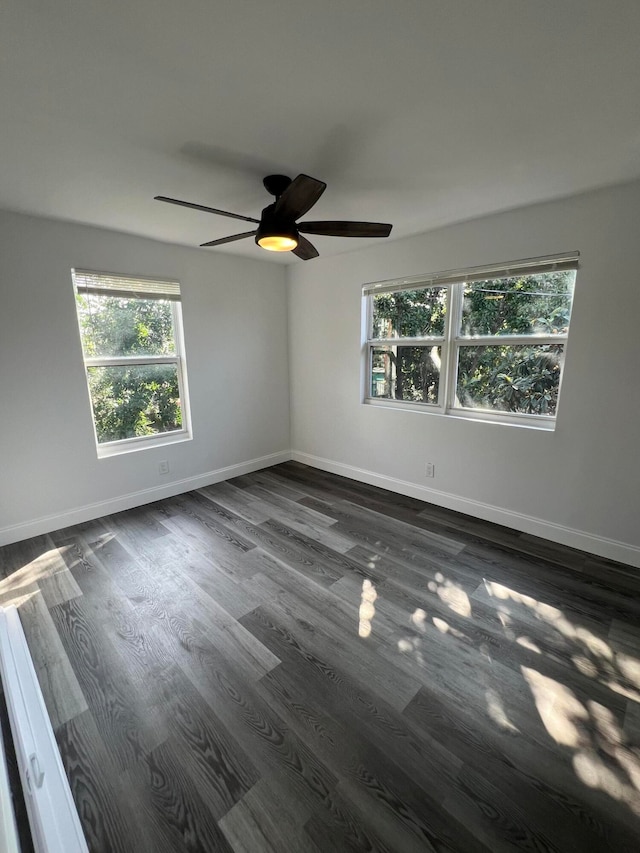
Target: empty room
[(319, 467)]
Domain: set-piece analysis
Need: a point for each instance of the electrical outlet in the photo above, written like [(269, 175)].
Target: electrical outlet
[(430, 470), (163, 467)]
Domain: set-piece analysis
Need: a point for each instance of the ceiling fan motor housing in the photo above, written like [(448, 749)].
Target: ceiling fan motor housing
[(272, 225)]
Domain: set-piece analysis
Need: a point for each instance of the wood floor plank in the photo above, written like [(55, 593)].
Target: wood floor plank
[(59, 587), (487, 743), (215, 542), (120, 717), (266, 821), (215, 760), (17, 556), (496, 820), (269, 478), (632, 722), (538, 578), (48, 570), (239, 501), (137, 527), (360, 521), (292, 661), (339, 826), (231, 589), (386, 503), (315, 525), (273, 749), (271, 622), (349, 602), (107, 819), (172, 804), (189, 610), (61, 691), (273, 552), (322, 714), (353, 757)]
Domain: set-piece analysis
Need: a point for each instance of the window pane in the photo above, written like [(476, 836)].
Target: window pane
[(406, 373), (522, 378), (410, 313), (113, 326), (529, 305), (135, 401)]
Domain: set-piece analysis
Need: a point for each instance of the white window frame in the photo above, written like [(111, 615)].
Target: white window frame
[(138, 287), (454, 281)]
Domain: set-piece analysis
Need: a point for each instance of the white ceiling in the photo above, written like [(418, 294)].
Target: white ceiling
[(415, 112)]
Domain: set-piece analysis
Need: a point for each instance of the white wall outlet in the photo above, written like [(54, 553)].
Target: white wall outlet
[(430, 470), (163, 467)]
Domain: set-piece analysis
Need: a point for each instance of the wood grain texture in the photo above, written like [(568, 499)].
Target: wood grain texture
[(62, 693), (104, 809), (291, 661), (267, 820)]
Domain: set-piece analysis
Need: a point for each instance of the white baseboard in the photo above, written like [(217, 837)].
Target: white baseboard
[(45, 524), (580, 539)]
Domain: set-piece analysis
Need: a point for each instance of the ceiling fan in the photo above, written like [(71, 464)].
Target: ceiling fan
[(278, 229)]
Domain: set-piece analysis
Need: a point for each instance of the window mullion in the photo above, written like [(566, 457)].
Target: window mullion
[(406, 342), (183, 388), (510, 340), (454, 323), (128, 360)]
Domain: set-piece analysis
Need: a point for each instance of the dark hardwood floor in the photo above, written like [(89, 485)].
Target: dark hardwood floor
[(297, 663)]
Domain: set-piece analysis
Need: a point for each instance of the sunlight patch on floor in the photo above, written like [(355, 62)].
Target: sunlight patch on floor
[(559, 709), (593, 656), (592, 770), (44, 566), (527, 643), (496, 710), (367, 611), (19, 596), (419, 619), (451, 594), (602, 760), (585, 666)]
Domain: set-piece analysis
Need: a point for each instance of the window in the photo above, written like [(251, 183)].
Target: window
[(131, 332), (487, 342)]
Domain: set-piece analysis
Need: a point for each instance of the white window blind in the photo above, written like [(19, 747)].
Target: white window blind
[(108, 284), (529, 266)]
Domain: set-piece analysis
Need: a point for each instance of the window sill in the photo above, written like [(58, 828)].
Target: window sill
[(473, 416), (132, 445)]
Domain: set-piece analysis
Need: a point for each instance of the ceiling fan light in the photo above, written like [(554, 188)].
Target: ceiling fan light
[(277, 242), (273, 234)]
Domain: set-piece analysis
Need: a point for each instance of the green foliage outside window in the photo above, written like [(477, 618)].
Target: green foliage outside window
[(406, 372), (521, 377), (130, 400)]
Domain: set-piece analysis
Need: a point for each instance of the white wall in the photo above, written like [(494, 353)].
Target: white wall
[(235, 321), (579, 484)]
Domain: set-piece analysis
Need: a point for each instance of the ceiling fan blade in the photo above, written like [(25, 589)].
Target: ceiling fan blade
[(206, 209), (299, 197), (346, 229), (231, 239), (305, 249)]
